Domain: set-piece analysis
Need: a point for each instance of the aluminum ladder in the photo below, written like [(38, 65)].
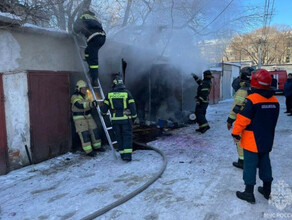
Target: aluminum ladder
[(85, 70)]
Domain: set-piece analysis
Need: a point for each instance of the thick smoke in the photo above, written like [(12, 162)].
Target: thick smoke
[(165, 45)]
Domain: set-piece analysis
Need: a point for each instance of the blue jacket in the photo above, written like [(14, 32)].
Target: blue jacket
[(288, 88)]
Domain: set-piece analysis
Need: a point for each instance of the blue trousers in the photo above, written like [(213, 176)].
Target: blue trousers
[(252, 161)]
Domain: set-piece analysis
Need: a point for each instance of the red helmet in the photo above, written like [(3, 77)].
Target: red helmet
[(261, 79)]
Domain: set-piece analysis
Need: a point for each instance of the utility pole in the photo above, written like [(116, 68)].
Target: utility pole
[(259, 54)]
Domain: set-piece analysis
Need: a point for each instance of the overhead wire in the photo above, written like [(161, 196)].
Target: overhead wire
[(217, 16)]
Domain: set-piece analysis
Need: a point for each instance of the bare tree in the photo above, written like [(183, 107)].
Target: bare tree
[(274, 46)]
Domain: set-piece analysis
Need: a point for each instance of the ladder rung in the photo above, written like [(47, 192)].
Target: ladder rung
[(114, 142), (99, 100), (95, 87), (109, 128)]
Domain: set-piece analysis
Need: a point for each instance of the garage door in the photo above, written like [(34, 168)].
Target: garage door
[(49, 104)]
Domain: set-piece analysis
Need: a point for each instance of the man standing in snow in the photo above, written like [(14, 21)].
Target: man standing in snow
[(88, 25), (202, 99), (255, 129), (288, 94), (238, 103)]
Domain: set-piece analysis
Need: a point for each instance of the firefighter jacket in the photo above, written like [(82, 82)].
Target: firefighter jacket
[(238, 102), (81, 105), (203, 90), (121, 105), (88, 25), (257, 121)]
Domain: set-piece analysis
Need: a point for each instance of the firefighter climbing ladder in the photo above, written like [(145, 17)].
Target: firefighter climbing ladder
[(105, 128)]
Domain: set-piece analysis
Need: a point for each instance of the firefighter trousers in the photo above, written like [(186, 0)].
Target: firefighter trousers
[(88, 133), (239, 151), (200, 113), (91, 54), (123, 132)]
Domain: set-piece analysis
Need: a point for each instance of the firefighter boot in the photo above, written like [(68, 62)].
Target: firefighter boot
[(265, 190), (203, 129), (127, 157), (100, 149), (238, 164), (247, 194), (91, 154)]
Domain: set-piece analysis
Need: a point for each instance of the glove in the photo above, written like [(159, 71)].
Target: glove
[(136, 121), (93, 104), (229, 126), (236, 138), (195, 76), (127, 112)]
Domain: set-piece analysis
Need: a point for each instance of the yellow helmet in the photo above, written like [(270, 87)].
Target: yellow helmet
[(81, 84)]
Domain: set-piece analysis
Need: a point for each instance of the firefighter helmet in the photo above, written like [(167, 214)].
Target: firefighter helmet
[(208, 74), (118, 81), (261, 79), (245, 73), (81, 84)]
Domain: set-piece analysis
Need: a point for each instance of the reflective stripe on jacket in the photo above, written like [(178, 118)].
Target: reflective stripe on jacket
[(203, 90), (121, 105), (80, 104), (257, 121), (88, 25), (238, 102)]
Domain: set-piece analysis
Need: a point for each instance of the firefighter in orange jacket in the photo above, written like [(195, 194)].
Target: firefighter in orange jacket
[(83, 120), (255, 129)]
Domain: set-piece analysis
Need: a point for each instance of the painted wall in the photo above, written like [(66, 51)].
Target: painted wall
[(17, 118), (28, 49)]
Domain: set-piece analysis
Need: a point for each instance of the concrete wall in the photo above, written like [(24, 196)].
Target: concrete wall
[(30, 49), (17, 117)]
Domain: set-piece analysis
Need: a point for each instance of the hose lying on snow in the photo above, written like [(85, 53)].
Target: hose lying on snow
[(137, 191)]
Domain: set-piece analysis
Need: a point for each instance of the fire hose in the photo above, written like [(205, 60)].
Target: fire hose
[(127, 197)]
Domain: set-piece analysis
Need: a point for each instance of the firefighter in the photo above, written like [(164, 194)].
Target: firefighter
[(202, 100), (236, 83), (254, 127), (88, 25), (122, 107), (238, 103), (83, 120)]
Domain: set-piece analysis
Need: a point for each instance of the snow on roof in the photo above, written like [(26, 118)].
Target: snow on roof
[(13, 19), (9, 18), (42, 29), (8, 15)]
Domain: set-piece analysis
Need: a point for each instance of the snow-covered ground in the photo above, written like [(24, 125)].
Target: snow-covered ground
[(198, 183)]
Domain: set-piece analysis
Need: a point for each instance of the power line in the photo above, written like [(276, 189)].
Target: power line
[(217, 16)]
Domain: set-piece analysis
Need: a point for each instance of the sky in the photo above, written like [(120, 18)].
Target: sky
[(282, 10), (199, 181), (283, 13)]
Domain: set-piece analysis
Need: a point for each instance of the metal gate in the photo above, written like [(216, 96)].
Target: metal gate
[(49, 104), (3, 137)]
